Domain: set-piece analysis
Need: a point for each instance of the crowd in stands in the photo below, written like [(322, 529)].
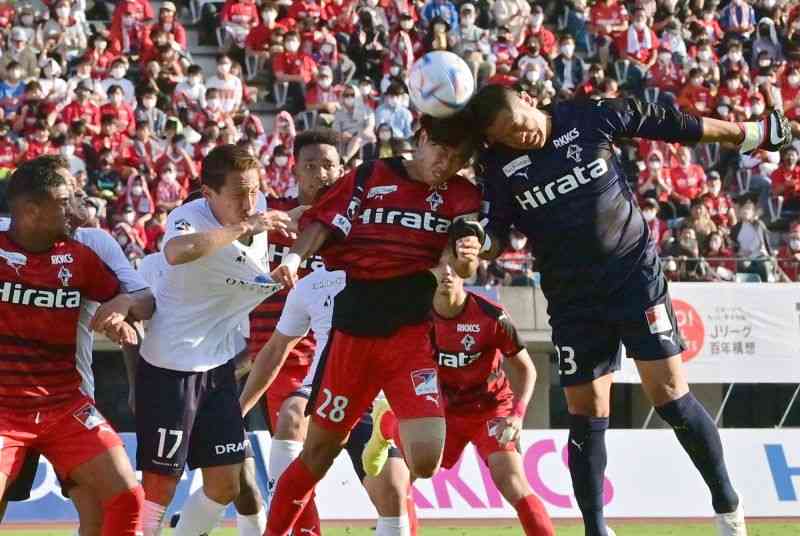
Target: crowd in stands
[(113, 87)]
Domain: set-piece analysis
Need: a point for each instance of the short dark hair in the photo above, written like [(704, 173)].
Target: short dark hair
[(35, 178), (194, 69), (114, 88), (316, 136), (221, 161), (487, 103), (224, 56), (457, 131)]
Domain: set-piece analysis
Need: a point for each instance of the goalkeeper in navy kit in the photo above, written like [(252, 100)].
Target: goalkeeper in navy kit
[(553, 175)]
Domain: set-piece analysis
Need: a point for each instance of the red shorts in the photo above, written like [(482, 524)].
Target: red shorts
[(289, 381), (68, 436), (478, 430), (357, 368)]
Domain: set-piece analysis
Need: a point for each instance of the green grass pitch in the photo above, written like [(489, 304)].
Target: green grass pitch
[(622, 529)]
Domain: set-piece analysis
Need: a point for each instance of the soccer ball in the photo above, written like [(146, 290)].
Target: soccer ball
[(440, 83)]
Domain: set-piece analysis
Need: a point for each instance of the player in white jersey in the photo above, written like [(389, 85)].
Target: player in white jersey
[(103, 244), (309, 306), (187, 407)]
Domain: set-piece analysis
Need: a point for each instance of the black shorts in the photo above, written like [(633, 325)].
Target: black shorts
[(589, 339), (191, 417)]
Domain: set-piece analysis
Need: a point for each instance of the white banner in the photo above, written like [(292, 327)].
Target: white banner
[(736, 333), (648, 475)]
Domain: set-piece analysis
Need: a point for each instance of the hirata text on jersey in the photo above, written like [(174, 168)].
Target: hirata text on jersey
[(424, 221), (48, 299), (541, 195)]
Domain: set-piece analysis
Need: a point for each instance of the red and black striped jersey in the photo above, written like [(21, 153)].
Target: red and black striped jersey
[(40, 300), (265, 317), (469, 350)]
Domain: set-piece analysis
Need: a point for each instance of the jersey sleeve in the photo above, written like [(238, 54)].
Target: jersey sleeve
[(508, 340), (101, 284), (631, 117), (340, 205), (182, 221), (495, 208), (295, 320), (110, 252)]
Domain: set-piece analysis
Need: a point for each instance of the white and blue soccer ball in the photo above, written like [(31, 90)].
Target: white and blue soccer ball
[(440, 83)]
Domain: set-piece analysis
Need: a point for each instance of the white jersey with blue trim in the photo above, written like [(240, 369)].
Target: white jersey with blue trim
[(309, 305)]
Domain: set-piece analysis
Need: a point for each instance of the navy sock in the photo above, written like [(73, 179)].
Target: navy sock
[(587, 464), (700, 439)]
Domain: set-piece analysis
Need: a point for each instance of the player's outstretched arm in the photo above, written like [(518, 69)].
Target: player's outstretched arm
[(265, 369), (138, 305), (192, 246), (307, 244), (522, 376)]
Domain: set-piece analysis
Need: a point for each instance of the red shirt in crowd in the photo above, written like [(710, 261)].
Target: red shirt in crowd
[(126, 121), (614, 14), (75, 111), (789, 261), (244, 13), (9, 153), (295, 63), (688, 182), (719, 208), (696, 99), (786, 182)]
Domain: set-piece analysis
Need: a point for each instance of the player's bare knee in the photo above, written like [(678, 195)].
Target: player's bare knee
[(387, 494), (423, 459), (159, 488)]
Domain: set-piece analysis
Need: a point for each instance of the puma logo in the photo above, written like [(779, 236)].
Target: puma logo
[(578, 446)]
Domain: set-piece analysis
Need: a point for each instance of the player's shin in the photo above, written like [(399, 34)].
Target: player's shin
[(700, 439), (292, 493), (533, 517), (587, 464), (199, 515), (122, 513)]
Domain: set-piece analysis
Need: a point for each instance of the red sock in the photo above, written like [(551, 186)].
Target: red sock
[(533, 517), (413, 522), (389, 428), (308, 522), (121, 513), (293, 491)]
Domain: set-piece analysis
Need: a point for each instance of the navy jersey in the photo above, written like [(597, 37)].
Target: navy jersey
[(572, 200)]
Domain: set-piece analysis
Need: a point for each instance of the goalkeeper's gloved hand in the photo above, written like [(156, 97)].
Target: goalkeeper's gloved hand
[(462, 228), (772, 133)]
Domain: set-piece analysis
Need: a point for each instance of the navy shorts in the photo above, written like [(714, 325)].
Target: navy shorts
[(589, 339), (187, 417)]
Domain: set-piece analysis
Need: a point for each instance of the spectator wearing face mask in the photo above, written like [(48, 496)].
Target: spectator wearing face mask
[(667, 76), (739, 18), (472, 43), (34, 109), (515, 264), (766, 41), (719, 204), (354, 122), (130, 235), (688, 181), (700, 220), (406, 42), (609, 19), (790, 93), (37, 142), (323, 96), (685, 251), (238, 18), (147, 112), (82, 108), (169, 191), (654, 181), (696, 97), (282, 135), (709, 22), (733, 63), (789, 256), (706, 61), (54, 88), (258, 39), (119, 68), (21, 53), (111, 138), (295, 68), (567, 67), (175, 153), (719, 258), (394, 113), (639, 44), (189, 95), (650, 209), (786, 179), (591, 85), (397, 9), (504, 50), (117, 107), (228, 85), (672, 40), (129, 26), (168, 23), (71, 31), (544, 37), (278, 179), (146, 150), (737, 95), (751, 239)]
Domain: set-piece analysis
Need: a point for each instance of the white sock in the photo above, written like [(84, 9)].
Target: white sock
[(252, 525), (152, 518), (392, 526), (199, 515), (282, 452)]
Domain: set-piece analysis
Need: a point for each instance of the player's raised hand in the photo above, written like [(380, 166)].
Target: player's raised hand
[(271, 220), (467, 248), (285, 274)]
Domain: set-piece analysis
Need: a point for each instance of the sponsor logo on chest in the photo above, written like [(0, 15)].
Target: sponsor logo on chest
[(541, 195), (422, 221), (18, 294), (457, 359), (566, 138), (61, 259)]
